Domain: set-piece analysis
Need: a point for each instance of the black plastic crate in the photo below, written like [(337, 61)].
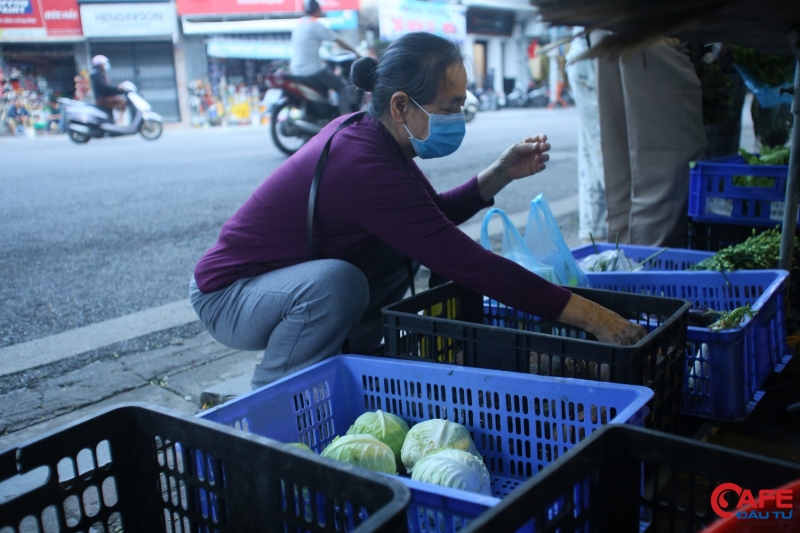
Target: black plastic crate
[(136, 468), (625, 479), (713, 237), (451, 324)]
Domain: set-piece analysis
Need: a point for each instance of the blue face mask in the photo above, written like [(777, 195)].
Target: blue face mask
[(445, 133)]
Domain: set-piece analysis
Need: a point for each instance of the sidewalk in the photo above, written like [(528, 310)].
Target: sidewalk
[(49, 382)]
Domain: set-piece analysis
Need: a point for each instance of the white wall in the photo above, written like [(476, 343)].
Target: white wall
[(494, 60)]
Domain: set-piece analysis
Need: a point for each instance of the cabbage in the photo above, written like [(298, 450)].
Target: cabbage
[(432, 435), (301, 446), (456, 469), (388, 428), (362, 450)]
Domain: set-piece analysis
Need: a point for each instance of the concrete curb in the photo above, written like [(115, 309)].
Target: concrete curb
[(40, 352)]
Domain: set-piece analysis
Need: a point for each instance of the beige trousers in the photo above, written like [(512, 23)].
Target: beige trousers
[(651, 126)]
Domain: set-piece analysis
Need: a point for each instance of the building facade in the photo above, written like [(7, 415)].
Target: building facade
[(204, 62)]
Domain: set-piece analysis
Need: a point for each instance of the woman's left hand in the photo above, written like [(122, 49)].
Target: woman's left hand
[(524, 158), (521, 159)]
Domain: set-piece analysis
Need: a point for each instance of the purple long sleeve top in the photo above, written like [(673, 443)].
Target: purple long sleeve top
[(368, 192)]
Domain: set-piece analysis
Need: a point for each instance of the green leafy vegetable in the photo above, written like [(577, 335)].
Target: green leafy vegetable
[(456, 469), (758, 252), (769, 156), (388, 428), (770, 69), (432, 435), (362, 450), (301, 446), (732, 319)]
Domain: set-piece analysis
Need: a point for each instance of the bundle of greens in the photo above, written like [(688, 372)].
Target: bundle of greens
[(758, 252), (769, 156), (770, 69), (732, 319)]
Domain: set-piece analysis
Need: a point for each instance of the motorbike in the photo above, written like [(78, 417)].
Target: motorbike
[(85, 121), (538, 97), (304, 107), (471, 106)]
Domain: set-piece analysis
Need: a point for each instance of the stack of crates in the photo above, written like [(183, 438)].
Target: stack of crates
[(724, 369)]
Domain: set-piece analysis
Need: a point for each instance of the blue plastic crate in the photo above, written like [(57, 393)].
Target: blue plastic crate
[(520, 423), (671, 259), (713, 197), (724, 369)]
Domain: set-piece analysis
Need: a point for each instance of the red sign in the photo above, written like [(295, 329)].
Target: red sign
[(224, 7), (61, 17), (58, 17)]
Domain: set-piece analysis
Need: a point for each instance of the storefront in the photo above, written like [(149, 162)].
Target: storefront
[(497, 43), (489, 31), (137, 38), (41, 53), (232, 45)]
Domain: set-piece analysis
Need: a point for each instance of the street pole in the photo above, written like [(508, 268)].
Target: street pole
[(793, 185)]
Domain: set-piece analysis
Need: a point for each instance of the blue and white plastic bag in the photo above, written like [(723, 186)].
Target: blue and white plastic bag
[(513, 246), (545, 242)]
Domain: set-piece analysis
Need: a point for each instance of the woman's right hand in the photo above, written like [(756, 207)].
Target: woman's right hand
[(614, 329), (606, 325)]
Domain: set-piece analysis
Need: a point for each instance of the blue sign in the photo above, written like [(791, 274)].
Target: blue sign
[(340, 20)]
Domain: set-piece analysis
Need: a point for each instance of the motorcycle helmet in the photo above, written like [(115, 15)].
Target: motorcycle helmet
[(101, 61), (311, 7)]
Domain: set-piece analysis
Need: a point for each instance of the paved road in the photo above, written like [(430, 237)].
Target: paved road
[(89, 233)]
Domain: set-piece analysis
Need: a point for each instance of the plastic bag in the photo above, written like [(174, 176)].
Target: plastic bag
[(767, 96), (513, 246), (609, 261), (544, 240)]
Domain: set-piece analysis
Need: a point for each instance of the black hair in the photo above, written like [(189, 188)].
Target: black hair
[(312, 6), (416, 64)]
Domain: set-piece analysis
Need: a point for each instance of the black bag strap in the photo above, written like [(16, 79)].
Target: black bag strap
[(312, 195)]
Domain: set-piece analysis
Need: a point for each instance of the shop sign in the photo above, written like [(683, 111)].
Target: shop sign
[(128, 20), (32, 18), (247, 49), (223, 7), (341, 20), (398, 17)]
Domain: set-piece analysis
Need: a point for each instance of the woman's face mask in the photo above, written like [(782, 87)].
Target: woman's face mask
[(445, 133)]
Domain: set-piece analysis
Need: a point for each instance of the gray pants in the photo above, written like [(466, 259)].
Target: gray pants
[(330, 80), (302, 314), (651, 127)]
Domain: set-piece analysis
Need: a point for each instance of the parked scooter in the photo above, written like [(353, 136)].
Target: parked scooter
[(304, 107), (85, 121), (538, 97), (471, 106)]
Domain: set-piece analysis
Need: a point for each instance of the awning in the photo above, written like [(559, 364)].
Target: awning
[(335, 20), (519, 6)]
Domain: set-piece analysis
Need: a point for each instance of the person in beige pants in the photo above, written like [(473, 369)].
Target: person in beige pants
[(651, 126)]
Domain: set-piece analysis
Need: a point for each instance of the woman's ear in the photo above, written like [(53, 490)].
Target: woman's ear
[(399, 107)]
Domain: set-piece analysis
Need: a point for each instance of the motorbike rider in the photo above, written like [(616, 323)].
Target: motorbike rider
[(307, 37), (106, 95)]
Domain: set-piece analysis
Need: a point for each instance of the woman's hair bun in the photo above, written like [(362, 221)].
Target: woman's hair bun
[(363, 73)]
